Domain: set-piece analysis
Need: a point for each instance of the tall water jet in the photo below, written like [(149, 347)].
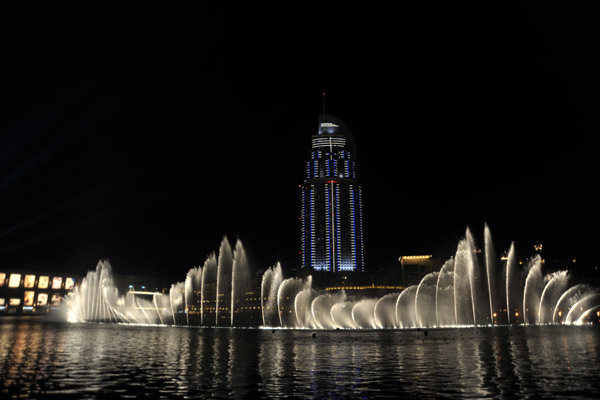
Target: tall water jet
[(405, 308), (493, 279), (286, 295), (464, 308), (534, 285), (514, 287), (193, 291), (479, 287), (425, 301), (269, 287), (363, 314), (224, 269), (321, 308), (556, 286), (209, 290), (568, 299), (187, 291), (444, 295), (385, 311), (240, 279), (176, 298)]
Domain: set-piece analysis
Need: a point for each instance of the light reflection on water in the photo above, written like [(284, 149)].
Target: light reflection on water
[(62, 361)]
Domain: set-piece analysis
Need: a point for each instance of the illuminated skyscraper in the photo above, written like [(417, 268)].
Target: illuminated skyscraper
[(331, 209)]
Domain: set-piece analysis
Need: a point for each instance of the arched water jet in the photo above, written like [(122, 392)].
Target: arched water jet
[(556, 286), (286, 295), (579, 308), (568, 299), (444, 295), (425, 301), (271, 281), (591, 315), (341, 315), (321, 308), (534, 285), (363, 314), (405, 308), (302, 305), (385, 311)]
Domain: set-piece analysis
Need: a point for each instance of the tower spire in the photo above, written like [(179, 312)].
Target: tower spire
[(323, 117)]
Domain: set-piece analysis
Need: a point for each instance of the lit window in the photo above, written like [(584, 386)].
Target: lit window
[(56, 282), (15, 302), (42, 299), (14, 281), (28, 298), (43, 282), (55, 299), (70, 282), (2, 278), (29, 281)]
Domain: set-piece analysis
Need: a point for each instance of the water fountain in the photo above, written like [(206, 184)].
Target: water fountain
[(466, 291), (469, 289), (97, 299), (271, 281), (208, 296)]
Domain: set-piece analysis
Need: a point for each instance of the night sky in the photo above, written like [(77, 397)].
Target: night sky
[(145, 138)]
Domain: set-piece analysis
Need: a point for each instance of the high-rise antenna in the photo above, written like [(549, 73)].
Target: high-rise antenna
[(323, 118)]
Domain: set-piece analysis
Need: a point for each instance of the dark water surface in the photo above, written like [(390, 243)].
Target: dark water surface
[(63, 361)]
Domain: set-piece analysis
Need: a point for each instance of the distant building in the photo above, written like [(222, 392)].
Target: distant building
[(30, 292), (332, 239), (413, 268)]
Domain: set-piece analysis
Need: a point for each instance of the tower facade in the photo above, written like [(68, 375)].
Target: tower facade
[(331, 203)]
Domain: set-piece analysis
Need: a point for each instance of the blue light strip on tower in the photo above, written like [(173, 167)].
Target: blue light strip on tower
[(328, 227), (353, 227), (338, 227), (312, 227)]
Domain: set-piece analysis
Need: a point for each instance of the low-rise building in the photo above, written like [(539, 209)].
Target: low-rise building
[(32, 292)]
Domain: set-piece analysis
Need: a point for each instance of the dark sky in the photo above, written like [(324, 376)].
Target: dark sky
[(145, 138)]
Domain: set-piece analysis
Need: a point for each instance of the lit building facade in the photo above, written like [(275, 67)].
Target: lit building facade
[(332, 239), (33, 293)]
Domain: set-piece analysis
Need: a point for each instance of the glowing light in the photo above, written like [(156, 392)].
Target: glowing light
[(43, 282), (423, 257), (14, 281), (56, 282), (29, 281)]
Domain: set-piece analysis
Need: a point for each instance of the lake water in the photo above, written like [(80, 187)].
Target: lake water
[(45, 360)]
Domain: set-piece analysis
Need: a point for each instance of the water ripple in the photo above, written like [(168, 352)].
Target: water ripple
[(43, 360)]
